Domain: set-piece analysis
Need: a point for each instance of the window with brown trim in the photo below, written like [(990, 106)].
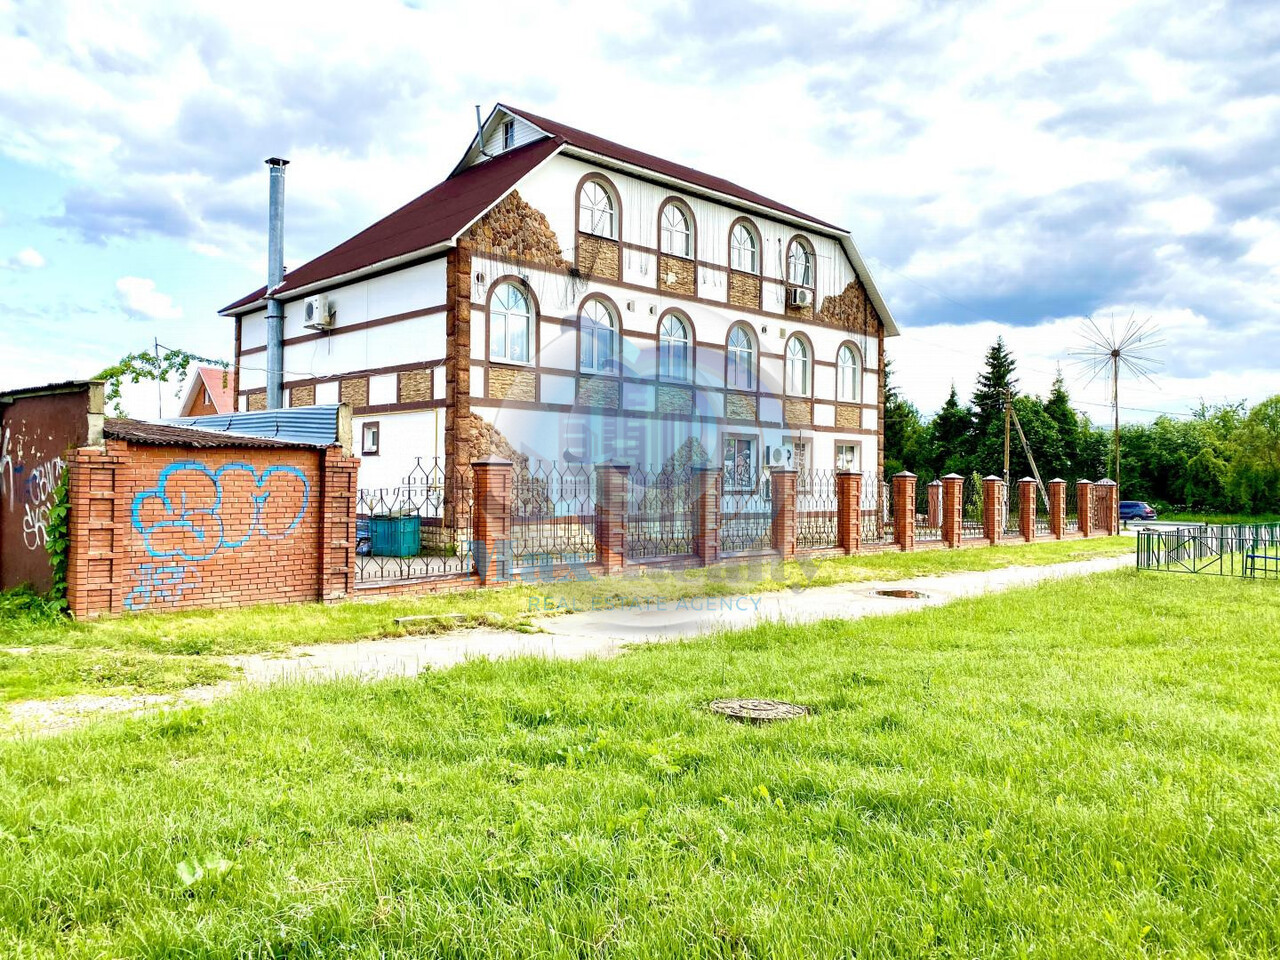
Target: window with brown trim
[(744, 248), (370, 438), (597, 211)]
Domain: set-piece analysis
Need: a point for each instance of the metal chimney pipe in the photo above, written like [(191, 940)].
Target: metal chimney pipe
[(275, 276)]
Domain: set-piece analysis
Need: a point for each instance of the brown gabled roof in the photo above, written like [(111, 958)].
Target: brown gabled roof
[(164, 435), (433, 218), (446, 209), (677, 171)]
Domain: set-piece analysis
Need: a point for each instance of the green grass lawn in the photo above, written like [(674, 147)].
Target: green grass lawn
[(43, 654), (1085, 768)]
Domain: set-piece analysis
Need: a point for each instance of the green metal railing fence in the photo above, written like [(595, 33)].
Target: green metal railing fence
[(1240, 550)]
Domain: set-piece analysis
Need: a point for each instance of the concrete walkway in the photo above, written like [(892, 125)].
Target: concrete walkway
[(605, 632), (570, 636)]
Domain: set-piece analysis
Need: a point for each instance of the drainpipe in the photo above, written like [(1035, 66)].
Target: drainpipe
[(275, 276)]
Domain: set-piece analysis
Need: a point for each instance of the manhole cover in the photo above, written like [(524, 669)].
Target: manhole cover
[(902, 594), (758, 711)]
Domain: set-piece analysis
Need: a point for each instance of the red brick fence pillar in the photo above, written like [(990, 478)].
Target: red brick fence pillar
[(933, 492), (849, 511), (612, 478), (1057, 507), (492, 480), (904, 510), (993, 509), (1084, 507), (952, 509), (1108, 506), (706, 514), (338, 524), (1027, 508), (782, 482)]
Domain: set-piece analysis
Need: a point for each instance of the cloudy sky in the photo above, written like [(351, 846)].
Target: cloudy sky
[(1005, 168)]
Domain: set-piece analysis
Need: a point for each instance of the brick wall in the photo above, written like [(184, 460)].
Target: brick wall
[(168, 528)]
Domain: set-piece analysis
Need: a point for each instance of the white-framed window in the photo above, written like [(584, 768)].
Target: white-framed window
[(510, 325), (744, 248), (739, 463), (797, 367), (598, 338), (508, 134), (848, 375), (800, 264), (740, 370), (597, 213), (849, 457), (370, 438), (674, 342), (676, 232)]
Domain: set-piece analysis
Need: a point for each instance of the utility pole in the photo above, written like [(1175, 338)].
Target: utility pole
[(1008, 412), (159, 385), (1115, 404)]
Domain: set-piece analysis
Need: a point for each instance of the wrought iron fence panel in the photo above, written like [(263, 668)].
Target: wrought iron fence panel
[(417, 530), (972, 525), (1251, 551), (1070, 511), (876, 510), (746, 516), (928, 512), (817, 506), (552, 515), (1042, 526), (1012, 512), (660, 512)]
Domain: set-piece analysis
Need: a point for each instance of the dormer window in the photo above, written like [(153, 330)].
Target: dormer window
[(508, 134)]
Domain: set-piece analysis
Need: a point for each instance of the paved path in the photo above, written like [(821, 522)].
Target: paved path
[(569, 636), (605, 632)]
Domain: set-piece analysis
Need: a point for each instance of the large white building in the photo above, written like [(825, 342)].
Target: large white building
[(562, 297)]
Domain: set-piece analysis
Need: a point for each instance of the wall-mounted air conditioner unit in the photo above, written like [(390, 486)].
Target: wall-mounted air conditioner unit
[(318, 313), (801, 297)]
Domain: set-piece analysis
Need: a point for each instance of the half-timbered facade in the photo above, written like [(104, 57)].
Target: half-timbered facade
[(562, 297)]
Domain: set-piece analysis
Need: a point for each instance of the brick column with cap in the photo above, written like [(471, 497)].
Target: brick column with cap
[(1027, 508), (1108, 507), (952, 486), (849, 511), (992, 509), (904, 510), (1057, 507), (612, 478), (782, 482), (1084, 507), (706, 514), (491, 480)]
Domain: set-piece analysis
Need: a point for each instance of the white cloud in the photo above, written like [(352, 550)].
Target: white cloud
[(28, 258), (142, 300)]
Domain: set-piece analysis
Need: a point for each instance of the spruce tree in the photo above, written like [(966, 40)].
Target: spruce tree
[(950, 430), (1058, 407), (993, 383)]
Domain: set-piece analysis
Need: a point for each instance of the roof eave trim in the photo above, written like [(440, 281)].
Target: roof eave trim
[(623, 166), (340, 279)]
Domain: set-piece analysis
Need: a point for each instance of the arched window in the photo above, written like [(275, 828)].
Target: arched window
[(598, 336), (673, 348), (510, 325), (676, 235), (797, 368), (848, 375), (800, 264), (597, 213), (744, 248), (740, 371)]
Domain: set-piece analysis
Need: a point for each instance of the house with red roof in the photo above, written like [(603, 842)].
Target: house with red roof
[(562, 297), (209, 392)]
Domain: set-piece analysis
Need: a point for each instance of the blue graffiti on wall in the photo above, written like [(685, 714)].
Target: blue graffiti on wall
[(161, 582), (184, 515)]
